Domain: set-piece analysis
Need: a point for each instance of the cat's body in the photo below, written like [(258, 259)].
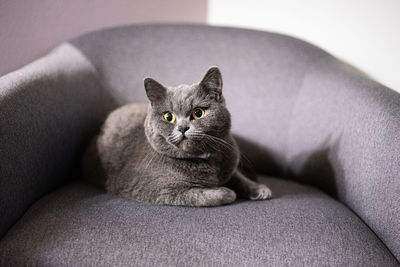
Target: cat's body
[(189, 160)]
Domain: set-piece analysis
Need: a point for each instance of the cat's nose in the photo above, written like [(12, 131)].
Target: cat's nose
[(183, 129)]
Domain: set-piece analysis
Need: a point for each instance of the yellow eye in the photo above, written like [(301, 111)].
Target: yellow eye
[(198, 113), (170, 117)]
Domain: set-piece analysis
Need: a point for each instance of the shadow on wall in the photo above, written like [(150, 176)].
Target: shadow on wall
[(258, 158), (320, 167)]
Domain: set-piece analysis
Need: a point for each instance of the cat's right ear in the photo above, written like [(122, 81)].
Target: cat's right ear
[(154, 90), (211, 84)]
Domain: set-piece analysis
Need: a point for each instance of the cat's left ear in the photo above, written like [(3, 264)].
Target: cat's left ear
[(154, 90), (211, 84)]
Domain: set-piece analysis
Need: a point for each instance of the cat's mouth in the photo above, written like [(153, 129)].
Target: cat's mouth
[(183, 142), (191, 146), (176, 140)]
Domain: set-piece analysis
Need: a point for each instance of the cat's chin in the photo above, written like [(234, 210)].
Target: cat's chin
[(189, 147), (186, 145)]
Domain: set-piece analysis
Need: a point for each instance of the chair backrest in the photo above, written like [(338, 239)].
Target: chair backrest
[(262, 74)]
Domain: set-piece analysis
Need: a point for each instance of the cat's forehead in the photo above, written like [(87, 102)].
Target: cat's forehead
[(183, 90), (183, 97)]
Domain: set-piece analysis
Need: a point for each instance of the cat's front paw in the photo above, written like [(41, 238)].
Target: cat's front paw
[(219, 196), (260, 192)]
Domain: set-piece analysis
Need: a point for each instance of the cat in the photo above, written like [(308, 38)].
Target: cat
[(175, 150)]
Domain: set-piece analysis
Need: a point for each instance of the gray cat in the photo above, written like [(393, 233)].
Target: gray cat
[(177, 150)]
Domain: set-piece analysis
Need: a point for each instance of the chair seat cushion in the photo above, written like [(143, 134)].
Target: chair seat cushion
[(79, 225)]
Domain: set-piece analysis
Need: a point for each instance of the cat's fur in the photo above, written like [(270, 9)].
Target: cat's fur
[(141, 156)]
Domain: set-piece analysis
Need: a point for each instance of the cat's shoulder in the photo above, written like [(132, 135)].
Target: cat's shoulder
[(136, 111), (126, 118), (139, 109)]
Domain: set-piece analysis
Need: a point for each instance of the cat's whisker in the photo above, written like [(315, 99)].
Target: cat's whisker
[(173, 139), (142, 162), (221, 142), (244, 156), (216, 140), (149, 162)]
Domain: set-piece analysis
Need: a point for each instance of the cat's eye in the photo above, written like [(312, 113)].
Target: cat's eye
[(198, 113), (170, 117)]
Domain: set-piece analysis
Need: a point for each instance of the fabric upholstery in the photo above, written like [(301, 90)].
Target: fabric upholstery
[(48, 110), (297, 112), (262, 72), (345, 138), (81, 226)]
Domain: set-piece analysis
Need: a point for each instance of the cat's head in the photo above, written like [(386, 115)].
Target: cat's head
[(187, 120)]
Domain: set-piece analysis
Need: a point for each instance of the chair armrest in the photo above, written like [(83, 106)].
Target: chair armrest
[(48, 109), (345, 138)]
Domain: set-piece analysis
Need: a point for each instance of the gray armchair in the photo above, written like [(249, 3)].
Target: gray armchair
[(322, 135)]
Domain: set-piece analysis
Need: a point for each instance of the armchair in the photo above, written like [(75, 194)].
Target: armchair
[(322, 135)]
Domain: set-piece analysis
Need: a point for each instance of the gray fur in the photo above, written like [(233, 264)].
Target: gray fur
[(143, 157)]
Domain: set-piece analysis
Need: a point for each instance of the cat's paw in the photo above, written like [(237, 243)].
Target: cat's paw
[(218, 196), (228, 195), (260, 192)]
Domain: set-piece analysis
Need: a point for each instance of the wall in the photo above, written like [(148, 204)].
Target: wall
[(365, 33), (29, 29)]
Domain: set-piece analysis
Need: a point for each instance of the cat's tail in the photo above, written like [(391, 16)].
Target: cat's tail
[(246, 167)]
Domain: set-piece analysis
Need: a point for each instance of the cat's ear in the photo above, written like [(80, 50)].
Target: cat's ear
[(211, 84), (154, 90)]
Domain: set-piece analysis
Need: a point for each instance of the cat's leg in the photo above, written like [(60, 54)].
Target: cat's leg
[(197, 197), (247, 188)]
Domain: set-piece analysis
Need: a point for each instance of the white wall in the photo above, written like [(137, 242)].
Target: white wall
[(365, 33)]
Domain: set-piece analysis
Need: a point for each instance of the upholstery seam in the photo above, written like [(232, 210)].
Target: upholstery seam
[(294, 106)]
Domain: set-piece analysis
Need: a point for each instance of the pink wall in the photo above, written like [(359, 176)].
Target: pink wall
[(30, 29)]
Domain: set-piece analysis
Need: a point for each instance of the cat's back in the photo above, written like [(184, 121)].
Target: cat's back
[(123, 130), (122, 134), (123, 121)]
